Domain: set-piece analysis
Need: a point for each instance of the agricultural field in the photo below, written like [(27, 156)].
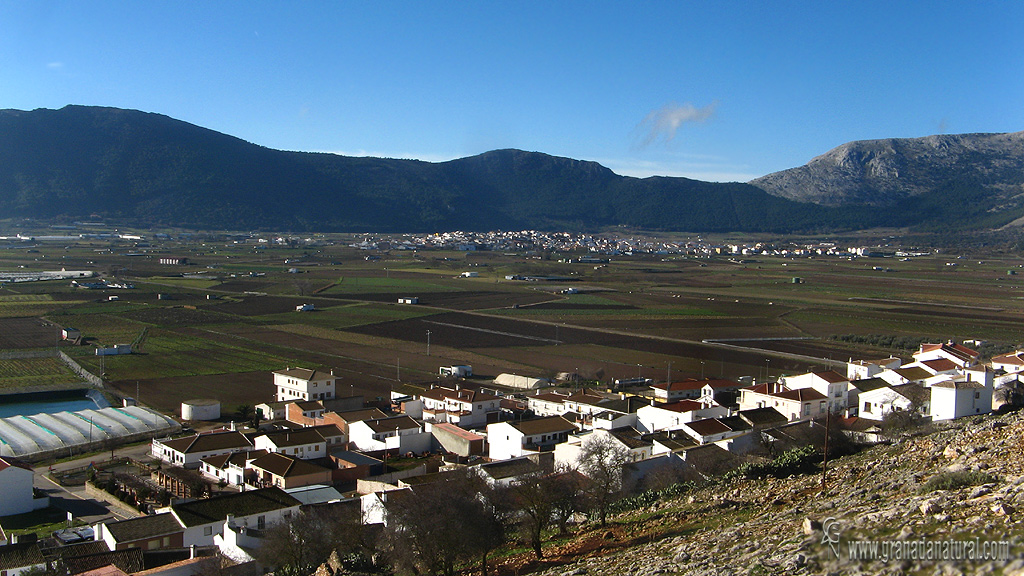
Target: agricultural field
[(217, 326), (29, 372), (27, 332)]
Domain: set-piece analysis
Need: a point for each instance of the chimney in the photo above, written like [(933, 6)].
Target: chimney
[(192, 551)]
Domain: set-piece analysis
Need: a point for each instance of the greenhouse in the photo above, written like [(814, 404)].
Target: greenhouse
[(68, 433)]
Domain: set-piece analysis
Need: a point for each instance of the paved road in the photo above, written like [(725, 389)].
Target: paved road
[(74, 499)]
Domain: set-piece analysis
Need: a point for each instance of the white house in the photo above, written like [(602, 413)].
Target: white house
[(875, 404), (828, 383), (1010, 363), (956, 398), (672, 415), (400, 433), (957, 353), (189, 451), (568, 452), (304, 443), (304, 384), (689, 389), (513, 439), (259, 509), (459, 406), (862, 369), (714, 430), (803, 404), (547, 403), (16, 488), (229, 468)]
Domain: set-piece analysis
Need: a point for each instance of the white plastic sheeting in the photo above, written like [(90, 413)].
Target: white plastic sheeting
[(40, 434)]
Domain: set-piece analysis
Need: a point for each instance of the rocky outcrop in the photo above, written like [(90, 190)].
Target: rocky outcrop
[(883, 172)]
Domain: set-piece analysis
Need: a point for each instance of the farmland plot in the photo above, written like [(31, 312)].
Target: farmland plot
[(34, 372)]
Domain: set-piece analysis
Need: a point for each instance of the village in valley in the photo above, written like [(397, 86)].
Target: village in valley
[(260, 395)]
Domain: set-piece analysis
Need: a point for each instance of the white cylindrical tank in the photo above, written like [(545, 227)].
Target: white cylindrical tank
[(200, 409)]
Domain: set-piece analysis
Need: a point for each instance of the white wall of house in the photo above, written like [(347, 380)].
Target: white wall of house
[(874, 405), (189, 459), (363, 437), (504, 441), (203, 535), (836, 392), (291, 388), (302, 451), (654, 418), (950, 402), (16, 488)]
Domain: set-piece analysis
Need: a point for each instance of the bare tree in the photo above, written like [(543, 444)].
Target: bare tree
[(441, 525), (299, 544), (602, 460)]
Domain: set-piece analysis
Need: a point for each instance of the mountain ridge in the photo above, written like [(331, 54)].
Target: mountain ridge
[(152, 169)]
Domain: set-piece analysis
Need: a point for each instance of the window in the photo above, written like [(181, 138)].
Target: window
[(261, 522), (207, 531)]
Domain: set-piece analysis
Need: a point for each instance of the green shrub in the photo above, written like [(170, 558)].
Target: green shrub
[(954, 480), (796, 461)]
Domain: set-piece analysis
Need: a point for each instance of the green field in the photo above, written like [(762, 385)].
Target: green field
[(24, 372)]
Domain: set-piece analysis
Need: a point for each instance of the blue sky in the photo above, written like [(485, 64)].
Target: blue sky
[(707, 90)]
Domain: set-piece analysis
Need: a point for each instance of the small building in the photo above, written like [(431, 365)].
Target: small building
[(409, 300), (70, 334), (460, 371), (470, 274), (173, 260), (305, 308)]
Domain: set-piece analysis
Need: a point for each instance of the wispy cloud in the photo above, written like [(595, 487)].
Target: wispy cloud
[(55, 65), (662, 124), (715, 170)]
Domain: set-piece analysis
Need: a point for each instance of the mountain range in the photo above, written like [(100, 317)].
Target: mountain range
[(149, 169)]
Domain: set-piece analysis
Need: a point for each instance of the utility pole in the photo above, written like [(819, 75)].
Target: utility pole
[(428, 342), (824, 457), (398, 369), (668, 379)]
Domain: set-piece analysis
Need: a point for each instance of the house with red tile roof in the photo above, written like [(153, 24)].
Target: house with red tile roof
[(958, 353), (802, 404), (828, 383)]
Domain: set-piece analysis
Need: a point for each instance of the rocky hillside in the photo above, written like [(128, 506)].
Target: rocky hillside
[(890, 171), (773, 526)]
